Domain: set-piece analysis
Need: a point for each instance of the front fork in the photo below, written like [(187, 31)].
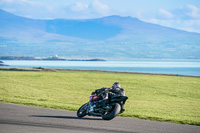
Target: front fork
[(88, 107)]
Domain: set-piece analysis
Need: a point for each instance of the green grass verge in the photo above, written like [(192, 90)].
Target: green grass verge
[(155, 97)]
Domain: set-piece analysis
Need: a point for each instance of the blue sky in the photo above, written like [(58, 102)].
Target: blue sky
[(179, 14)]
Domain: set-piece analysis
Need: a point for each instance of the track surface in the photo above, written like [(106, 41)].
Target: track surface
[(26, 119)]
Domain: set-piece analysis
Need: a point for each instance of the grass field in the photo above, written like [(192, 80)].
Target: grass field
[(155, 97)]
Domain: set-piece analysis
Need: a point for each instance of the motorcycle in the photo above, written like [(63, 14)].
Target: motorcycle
[(95, 107)]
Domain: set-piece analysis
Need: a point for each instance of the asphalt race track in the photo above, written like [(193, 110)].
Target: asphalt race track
[(26, 119)]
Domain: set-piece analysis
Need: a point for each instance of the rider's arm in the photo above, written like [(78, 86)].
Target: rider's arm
[(100, 91), (122, 92)]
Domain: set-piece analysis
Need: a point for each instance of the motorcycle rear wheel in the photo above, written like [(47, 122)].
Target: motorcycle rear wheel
[(113, 113), (82, 110)]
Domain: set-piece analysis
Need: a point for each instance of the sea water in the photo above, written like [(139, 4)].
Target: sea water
[(180, 67)]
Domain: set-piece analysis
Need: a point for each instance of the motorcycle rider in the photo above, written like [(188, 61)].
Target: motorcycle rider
[(116, 89), (105, 93)]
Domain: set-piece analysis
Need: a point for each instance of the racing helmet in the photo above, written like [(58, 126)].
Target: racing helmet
[(116, 85)]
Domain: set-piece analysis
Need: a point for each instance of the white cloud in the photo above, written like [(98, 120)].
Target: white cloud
[(94, 9), (79, 7), (186, 18), (166, 14), (100, 8), (194, 11)]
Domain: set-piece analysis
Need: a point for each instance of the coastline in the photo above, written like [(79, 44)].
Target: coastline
[(40, 69), (54, 58)]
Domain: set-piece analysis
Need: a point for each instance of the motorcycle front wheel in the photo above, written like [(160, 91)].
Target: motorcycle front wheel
[(82, 110), (112, 113)]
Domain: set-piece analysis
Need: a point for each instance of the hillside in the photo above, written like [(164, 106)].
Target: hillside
[(107, 37)]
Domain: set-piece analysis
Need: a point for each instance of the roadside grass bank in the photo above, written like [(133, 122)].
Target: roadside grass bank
[(154, 97)]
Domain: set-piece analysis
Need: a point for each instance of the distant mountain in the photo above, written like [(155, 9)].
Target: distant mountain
[(107, 37)]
